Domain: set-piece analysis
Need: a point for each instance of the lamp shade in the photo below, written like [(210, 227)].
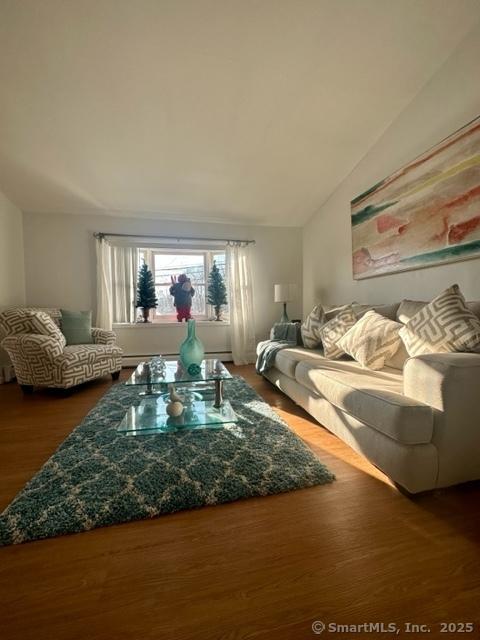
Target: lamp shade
[(284, 292)]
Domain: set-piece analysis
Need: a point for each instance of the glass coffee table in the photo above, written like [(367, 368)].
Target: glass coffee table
[(202, 397)]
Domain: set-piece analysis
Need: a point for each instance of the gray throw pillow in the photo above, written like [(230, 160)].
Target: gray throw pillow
[(407, 309), (77, 326)]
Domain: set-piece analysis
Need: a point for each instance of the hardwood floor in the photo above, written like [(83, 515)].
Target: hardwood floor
[(352, 552)]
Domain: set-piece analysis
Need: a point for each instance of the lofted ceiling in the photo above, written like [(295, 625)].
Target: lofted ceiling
[(248, 111)]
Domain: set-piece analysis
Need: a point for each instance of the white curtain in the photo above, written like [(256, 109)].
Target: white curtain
[(124, 275), (116, 283), (104, 285), (241, 303)]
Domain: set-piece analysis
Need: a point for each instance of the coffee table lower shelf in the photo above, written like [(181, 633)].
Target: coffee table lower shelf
[(150, 417)]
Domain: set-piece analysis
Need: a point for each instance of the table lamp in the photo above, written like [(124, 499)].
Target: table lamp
[(284, 293)]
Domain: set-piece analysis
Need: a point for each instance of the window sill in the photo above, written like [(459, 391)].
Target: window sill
[(152, 325)]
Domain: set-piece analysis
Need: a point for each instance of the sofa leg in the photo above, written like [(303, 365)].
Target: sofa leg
[(403, 491), (27, 389), (115, 375)]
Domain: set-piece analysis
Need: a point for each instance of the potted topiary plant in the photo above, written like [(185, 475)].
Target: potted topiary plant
[(146, 296), (217, 291)]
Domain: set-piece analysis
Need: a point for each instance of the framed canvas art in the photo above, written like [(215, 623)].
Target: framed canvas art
[(425, 214)]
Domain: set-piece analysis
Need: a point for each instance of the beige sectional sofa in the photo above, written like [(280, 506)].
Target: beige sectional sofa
[(419, 423)]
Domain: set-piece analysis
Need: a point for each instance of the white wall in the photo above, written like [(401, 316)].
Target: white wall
[(12, 273), (447, 102), (60, 270)]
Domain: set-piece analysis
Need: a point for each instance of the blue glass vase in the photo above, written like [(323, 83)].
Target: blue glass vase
[(192, 351)]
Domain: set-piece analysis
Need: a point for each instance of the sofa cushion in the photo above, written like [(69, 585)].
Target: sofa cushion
[(372, 340), (373, 397), (386, 310), (445, 325), (286, 360), (334, 329), (474, 307)]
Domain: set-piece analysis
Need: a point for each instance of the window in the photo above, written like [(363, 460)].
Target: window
[(197, 264)]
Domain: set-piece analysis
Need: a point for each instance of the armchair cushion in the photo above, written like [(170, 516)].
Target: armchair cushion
[(89, 352), (80, 362)]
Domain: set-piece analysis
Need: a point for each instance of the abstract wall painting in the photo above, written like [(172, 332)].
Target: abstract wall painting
[(425, 214)]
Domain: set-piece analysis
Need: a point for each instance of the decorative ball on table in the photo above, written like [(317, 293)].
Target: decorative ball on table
[(194, 369), (146, 296)]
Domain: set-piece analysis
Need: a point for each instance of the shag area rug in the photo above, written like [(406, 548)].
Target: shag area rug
[(99, 477)]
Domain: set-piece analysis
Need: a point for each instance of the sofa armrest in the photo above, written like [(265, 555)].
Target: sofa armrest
[(450, 383), (31, 346), (102, 336), (434, 378)]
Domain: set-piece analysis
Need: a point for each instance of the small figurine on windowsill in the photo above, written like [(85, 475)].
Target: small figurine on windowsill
[(182, 292)]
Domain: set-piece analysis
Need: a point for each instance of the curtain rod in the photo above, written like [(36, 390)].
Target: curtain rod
[(102, 234)]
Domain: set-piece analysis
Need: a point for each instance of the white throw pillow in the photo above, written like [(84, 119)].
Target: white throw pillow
[(372, 340), (334, 329), (445, 325)]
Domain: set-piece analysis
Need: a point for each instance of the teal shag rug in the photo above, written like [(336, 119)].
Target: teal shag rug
[(100, 477)]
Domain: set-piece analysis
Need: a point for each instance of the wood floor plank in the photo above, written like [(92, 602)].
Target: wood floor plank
[(262, 569)]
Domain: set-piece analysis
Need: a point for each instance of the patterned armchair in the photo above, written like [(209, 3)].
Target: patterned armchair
[(38, 351)]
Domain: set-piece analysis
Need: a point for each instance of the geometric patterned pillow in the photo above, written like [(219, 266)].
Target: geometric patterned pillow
[(372, 340), (444, 325), (309, 329), (54, 313), (331, 332), (43, 324), (18, 321)]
